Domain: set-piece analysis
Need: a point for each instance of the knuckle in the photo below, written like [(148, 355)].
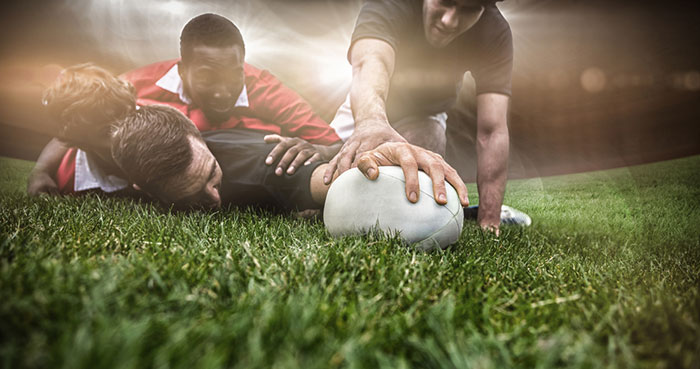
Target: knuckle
[(451, 172), (436, 169)]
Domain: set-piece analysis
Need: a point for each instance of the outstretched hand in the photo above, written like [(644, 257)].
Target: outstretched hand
[(362, 140), (412, 158), (41, 182), (291, 152)]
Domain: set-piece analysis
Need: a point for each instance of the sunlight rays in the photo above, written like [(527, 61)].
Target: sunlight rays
[(304, 44)]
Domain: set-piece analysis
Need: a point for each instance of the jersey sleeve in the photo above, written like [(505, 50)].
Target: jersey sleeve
[(282, 106), (383, 20), (65, 174), (145, 80), (493, 72)]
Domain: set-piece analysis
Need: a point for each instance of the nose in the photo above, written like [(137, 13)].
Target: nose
[(450, 18), (221, 91), (214, 199)]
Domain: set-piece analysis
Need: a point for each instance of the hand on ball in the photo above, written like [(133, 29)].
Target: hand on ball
[(412, 158)]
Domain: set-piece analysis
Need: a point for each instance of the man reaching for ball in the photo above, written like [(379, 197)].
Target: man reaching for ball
[(408, 59)]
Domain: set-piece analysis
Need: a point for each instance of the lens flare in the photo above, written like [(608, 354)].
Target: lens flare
[(593, 80), (303, 43)]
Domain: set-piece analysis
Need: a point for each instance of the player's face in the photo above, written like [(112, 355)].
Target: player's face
[(213, 78), (198, 187), (444, 20)]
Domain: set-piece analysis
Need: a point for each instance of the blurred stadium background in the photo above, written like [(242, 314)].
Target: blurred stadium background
[(597, 84)]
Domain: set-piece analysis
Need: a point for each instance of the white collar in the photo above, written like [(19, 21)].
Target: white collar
[(172, 82), (88, 176)]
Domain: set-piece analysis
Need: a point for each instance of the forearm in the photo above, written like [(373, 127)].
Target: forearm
[(51, 156), (368, 96), (42, 178), (372, 67), (492, 168), (318, 188)]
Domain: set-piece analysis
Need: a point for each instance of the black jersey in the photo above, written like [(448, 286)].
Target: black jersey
[(247, 181), (426, 79)]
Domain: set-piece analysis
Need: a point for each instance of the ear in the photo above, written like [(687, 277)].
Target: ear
[(181, 69), (138, 188)]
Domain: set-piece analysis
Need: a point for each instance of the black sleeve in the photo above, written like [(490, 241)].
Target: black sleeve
[(383, 20), (493, 72), (248, 181)]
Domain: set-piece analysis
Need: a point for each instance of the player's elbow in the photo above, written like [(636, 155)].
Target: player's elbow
[(370, 65), (491, 128)]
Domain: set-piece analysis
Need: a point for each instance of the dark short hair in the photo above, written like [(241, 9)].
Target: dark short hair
[(87, 96), (151, 146), (209, 30)]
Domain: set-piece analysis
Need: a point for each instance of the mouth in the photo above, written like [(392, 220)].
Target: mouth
[(443, 32), (221, 108)]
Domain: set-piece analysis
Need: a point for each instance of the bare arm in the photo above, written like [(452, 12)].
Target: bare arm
[(41, 179), (492, 157), (372, 66), (319, 189)]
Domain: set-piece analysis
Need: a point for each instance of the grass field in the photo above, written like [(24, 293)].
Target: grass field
[(607, 276)]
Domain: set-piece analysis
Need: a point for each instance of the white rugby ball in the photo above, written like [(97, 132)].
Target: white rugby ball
[(356, 205)]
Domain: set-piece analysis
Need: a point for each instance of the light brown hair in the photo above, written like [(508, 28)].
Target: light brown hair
[(87, 98), (152, 146)]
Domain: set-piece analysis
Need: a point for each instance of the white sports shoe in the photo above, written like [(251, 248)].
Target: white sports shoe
[(512, 216), (509, 216)]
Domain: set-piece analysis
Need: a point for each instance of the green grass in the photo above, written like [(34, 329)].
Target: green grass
[(607, 276)]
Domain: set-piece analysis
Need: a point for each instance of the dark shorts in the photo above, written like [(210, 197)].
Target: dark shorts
[(247, 181)]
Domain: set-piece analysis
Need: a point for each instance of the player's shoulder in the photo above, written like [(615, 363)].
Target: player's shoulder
[(493, 22), (394, 5), (259, 78), (253, 72), (391, 11), (491, 33)]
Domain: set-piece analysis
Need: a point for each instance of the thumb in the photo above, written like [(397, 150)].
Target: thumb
[(368, 167)]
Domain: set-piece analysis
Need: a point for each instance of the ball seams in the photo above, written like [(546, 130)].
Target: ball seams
[(430, 194)]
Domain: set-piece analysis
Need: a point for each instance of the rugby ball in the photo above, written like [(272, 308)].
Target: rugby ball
[(356, 205)]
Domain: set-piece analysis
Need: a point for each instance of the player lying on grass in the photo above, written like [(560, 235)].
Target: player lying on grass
[(163, 154), (211, 84), (87, 101), (83, 102)]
